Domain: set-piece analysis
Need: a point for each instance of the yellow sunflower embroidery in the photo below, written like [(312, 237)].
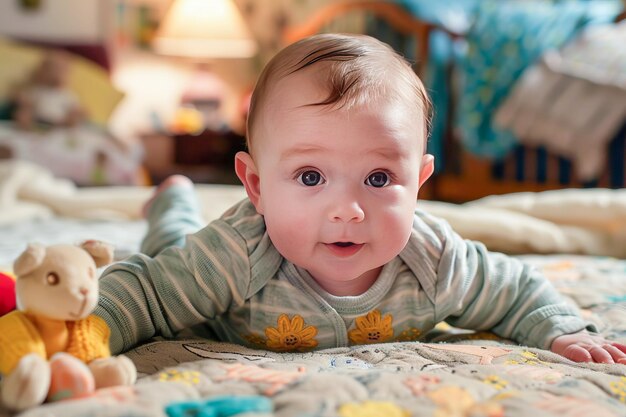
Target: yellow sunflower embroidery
[(371, 328), (291, 335)]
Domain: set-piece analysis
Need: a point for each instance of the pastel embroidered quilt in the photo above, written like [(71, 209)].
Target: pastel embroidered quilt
[(451, 373)]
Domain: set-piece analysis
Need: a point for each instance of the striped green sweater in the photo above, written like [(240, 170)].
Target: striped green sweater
[(230, 277)]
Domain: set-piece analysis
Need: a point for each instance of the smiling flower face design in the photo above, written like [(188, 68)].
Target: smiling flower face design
[(372, 328), (291, 335)]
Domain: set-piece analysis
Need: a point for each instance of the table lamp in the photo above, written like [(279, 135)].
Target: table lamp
[(203, 31)]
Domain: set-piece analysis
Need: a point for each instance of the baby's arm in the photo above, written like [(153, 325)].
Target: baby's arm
[(587, 347), (481, 290), (143, 297)]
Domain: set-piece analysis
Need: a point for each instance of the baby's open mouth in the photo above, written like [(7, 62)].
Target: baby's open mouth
[(344, 249), (343, 244)]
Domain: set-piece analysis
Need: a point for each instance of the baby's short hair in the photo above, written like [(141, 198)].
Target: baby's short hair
[(356, 69)]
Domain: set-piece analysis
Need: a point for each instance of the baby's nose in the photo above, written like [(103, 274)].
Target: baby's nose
[(346, 211)]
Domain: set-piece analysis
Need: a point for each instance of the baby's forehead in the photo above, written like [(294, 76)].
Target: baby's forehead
[(292, 113), (304, 87), (313, 87)]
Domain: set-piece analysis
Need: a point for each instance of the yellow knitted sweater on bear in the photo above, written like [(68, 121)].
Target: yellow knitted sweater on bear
[(88, 339)]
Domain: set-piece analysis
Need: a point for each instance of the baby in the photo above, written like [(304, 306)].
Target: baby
[(329, 249)]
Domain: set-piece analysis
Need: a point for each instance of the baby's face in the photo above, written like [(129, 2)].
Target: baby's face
[(338, 188)]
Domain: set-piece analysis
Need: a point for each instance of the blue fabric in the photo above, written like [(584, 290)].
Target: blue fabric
[(505, 39), (456, 15)]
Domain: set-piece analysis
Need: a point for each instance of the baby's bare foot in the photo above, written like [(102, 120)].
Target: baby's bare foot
[(178, 180)]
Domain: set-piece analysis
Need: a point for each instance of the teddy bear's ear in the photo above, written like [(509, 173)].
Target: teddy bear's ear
[(29, 260), (102, 253)]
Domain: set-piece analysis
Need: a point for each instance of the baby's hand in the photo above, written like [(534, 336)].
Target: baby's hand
[(587, 347)]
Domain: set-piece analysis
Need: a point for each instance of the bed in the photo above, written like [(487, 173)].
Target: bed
[(577, 237), (473, 56)]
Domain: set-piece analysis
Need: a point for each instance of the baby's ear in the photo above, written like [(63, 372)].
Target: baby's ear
[(248, 174), (427, 168), (102, 253), (29, 260)]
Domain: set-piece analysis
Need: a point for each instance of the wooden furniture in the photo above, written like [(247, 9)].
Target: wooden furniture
[(465, 176), (205, 158), (396, 16)]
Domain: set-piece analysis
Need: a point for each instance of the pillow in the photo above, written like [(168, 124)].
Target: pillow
[(87, 80)]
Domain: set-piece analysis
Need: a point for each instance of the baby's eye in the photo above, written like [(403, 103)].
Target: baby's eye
[(52, 278), (378, 179), (310, 178)]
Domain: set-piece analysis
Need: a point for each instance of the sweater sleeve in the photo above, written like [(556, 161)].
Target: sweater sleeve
[(482, 290), (143, 297)]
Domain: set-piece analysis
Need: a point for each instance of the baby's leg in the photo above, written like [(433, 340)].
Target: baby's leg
[(172, 213)]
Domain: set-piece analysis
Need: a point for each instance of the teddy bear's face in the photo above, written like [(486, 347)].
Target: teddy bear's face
[(61, 284)]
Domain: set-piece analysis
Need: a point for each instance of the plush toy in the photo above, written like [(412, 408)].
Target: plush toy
[(51, 347), (45, 99)]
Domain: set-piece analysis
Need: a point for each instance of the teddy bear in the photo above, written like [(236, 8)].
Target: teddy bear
[(45, 99), (51, 346)]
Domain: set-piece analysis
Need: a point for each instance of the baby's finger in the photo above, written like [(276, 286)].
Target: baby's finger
[(600, 355), (617, 355), (619, 346), (577, 354)]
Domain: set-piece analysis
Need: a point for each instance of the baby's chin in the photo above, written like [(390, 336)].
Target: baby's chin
[(345, 281)]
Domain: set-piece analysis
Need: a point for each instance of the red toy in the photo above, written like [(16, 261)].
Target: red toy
[(7, 294)]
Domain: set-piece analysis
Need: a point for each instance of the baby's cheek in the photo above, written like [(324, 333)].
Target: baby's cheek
[(395, 231), (284, 229)]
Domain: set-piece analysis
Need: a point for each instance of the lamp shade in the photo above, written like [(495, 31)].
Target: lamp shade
[(204, 29)]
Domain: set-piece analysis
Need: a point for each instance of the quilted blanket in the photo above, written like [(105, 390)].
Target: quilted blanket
[(448, 373), (451, 373)]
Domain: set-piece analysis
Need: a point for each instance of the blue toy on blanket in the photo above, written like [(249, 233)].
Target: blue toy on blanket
[(225, 406)]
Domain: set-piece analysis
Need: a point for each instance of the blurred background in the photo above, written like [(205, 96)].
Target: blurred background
[(529, 95)]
